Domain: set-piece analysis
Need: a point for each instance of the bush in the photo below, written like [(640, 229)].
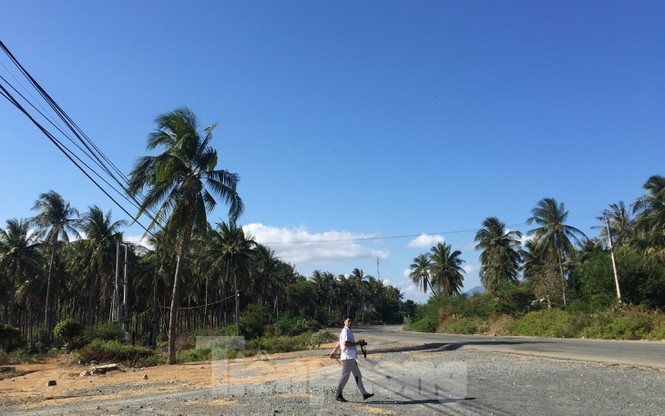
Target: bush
[(194, 354), (308, 340), (4, 358), (658, 331), (227, 330), (295, 326), (631, 327), (252, 321), (10, 337), (114, 351), (500, 325), (552, 323), (71, 333), (628, 324), (465, 325), (426, 317), (106, 332), (426, 324)]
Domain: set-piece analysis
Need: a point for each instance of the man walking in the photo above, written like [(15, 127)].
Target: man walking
[(348, 354)]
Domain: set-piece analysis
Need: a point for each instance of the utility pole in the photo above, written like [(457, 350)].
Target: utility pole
[(125, 295), (614, 262), (235, 284), (115, 315), (120, 310), (378, 272)]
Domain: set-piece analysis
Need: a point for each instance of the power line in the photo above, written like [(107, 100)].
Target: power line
[(400, 236), (86, 147)]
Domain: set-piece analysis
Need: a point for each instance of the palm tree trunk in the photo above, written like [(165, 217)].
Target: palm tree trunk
[(154, 323), (175, 297), (47, 309), (205, 307), (563, 277), (237, 296)]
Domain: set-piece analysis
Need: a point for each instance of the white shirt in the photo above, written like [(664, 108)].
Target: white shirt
[(347, 353)]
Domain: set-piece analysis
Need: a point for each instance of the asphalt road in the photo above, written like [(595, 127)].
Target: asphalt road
[(629, 353)]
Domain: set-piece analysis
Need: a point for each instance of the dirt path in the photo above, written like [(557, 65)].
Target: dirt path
[(28, 387)]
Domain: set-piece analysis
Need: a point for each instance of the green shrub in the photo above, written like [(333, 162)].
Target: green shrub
[(597, 327), (466, 325), (114, 351), (71, 333), (227, 330), (106, 332), (194, 354), (10, 337), (4, 358), (631, 323), (295, 326), (658, 331), (554, 323), (253, 319), (631, 326), (24, 356), (272, 345), (428, 323), (426, 317)]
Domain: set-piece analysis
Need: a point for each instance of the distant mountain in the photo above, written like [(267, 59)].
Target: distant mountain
[(474, 290)]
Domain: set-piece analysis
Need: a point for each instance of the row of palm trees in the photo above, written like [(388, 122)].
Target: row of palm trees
[(223, 263), (70, 267), (551, 250)]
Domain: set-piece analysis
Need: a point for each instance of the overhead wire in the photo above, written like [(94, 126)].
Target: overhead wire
[(86, 147), (399, 236)]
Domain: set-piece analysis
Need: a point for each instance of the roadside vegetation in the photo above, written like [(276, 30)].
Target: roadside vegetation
[(70, 282), (555, 281)]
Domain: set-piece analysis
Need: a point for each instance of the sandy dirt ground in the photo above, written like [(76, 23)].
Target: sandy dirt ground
[(28, 386)]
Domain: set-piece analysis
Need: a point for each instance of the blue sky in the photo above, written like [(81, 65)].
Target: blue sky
[(366, 123)]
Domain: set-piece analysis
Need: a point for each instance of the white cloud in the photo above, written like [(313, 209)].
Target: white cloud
[(426, 240), (525, 239), (413, 292), (138, 240), (299, 246)]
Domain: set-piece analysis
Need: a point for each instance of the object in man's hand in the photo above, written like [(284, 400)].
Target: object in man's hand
[(362, 344)]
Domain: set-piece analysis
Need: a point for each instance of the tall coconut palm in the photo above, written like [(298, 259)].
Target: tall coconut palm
[(650, 210), (56, 221), (421, 273), (101, 238), (270, 276), (232, 254), (326, 292), (181, 183), (265, 272), (160, 258), (286, 275), (357, 279), (446, 268), (19, 260), (620, 223), (500, 256), (553, 235)]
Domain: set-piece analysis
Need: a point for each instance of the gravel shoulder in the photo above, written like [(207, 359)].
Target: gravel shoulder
[(406, 379)]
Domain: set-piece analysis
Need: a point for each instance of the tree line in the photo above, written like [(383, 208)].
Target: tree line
[(556, 263), (60, 264)]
